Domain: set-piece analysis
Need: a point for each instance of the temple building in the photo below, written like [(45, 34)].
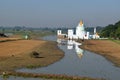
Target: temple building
[(80, 32)]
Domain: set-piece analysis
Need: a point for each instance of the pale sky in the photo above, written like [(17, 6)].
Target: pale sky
[(57, 13)]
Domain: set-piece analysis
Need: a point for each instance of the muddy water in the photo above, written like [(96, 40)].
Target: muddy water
[(78, 62)]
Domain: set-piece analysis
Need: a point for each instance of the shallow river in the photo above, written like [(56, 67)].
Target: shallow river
[(78, 62)]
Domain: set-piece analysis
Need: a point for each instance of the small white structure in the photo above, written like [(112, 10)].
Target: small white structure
[(26, 37), (87, 36), (59, 32), (70, 34), (94, 30), (95, 36)]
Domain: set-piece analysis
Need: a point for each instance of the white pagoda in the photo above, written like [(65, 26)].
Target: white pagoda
[(80, 32)]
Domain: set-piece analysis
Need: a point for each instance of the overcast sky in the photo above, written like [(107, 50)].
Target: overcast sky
[(57, 13)]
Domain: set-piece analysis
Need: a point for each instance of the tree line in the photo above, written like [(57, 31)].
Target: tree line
[(111, 31)]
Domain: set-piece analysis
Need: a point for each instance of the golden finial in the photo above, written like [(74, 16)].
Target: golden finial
[(81, 22)]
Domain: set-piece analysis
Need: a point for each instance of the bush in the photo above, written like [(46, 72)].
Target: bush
[(34, 54)]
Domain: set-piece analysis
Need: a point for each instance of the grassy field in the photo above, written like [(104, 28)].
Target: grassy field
[(117, 41), (33, 33)]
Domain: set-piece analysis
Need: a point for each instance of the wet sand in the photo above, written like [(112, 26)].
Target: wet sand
[(109, 49)]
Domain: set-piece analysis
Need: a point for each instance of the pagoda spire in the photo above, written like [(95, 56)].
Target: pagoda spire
[(81, 23)]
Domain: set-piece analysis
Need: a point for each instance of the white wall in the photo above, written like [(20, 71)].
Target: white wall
[(70, 33), (59, 32)]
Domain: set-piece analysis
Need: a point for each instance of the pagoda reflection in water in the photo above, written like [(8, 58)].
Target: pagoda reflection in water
[(72, 45), (75, 45)]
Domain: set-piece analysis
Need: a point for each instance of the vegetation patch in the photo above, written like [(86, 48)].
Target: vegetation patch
[(49, 76), (111, 31), (117, 41), (35, 54), (9, 40)]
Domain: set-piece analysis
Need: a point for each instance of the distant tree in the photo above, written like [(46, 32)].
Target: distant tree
[(17, 28), (118, 33), (111, 31)]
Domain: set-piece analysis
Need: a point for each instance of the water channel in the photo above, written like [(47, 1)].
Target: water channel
[(78, 62)]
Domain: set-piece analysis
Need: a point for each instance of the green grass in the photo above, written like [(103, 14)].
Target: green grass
[(48, 76), (31, 32), (8, 40), (116, 41)]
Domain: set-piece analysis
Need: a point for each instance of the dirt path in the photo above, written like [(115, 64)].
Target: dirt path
[(107, 48)]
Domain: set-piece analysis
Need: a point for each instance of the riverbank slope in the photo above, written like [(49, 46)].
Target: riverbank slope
[(106, 48)]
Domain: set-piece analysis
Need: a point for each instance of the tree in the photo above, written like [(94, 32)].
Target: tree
[(118, 33), (111, 31)]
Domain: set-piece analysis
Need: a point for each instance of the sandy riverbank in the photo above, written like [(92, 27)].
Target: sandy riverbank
[(106, 48), (17, 54)]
